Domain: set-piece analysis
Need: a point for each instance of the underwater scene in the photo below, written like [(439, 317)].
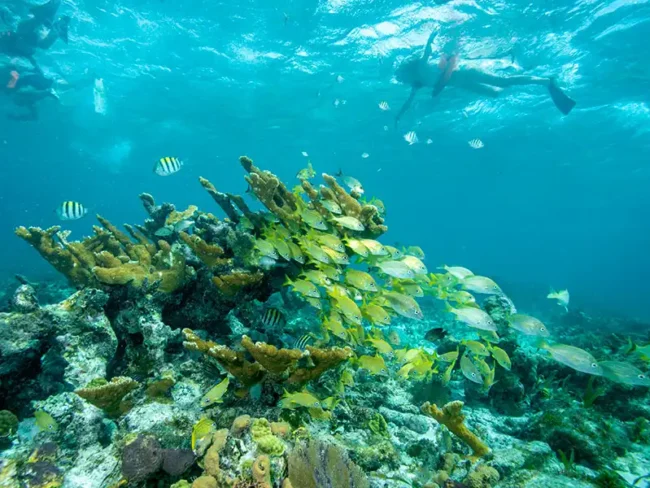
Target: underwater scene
[(324, 244)]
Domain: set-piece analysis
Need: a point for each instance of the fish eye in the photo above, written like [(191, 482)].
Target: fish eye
[(641, 376), (594, 365)]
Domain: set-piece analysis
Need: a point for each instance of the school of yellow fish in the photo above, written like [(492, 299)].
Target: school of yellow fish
[(359, 284)]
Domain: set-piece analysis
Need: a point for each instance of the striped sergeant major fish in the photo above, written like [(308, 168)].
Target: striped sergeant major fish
[(273, 317), (71, 211), (167, 166)]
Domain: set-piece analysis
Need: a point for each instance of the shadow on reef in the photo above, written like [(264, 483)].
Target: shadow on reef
[(286, 348)]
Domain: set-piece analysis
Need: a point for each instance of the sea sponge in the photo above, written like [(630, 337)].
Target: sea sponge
[(451, 417), (240, 425), (263, 436), (204, 482), (482, 477), (141, 458), (281, 429), (8, 423), (211, 461), (108, 395), (219, 439), (262, 471)]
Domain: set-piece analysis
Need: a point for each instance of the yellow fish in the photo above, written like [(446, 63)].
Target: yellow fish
[(202, 429), (449, 357), (314, 302), (405, 370), (469, 369), (347, 378), (45, 421), (303, 287), (313, 219), (375, 364), (414, 251), (351, 223), (315, 252), (265, 248), (375, 248), (328, 240), (317, 277), (357, 247), (281, 247), (296, 254), (375, 314), (335, 326), (408, 287), (394, 338), (332, 206), (215, 394), (476, 348), (361, 280), (394, 252), (318, 413), (332, 272), (446, 376), (415, 264), (404, 305), (299, 399), (335, 256), (381, 345), (501, 357), (345, 305)]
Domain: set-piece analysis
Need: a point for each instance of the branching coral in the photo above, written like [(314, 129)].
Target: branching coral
[(282, 364), (451, 417), (234, 282), (108, 395), (210, 254), (234, 362), (109, 257)]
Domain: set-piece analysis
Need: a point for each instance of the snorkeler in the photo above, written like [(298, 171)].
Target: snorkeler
[(39, 31), (26, 88), (420, 72)]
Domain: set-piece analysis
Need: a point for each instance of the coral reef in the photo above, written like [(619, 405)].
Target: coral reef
[(109, 395), (451, 417)]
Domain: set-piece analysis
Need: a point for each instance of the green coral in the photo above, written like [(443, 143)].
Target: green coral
[(264, 438), (8, 423), (378, 426)]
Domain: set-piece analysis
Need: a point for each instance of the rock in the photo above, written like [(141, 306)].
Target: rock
[(94, 468), (141, 458), (24, 300), (177, 461)]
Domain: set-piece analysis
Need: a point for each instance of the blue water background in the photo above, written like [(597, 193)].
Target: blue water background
[(549, 201)]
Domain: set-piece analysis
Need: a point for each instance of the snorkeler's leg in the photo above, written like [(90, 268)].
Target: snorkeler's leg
[(45, 14), (481, 89), (484, 78), (406, 106)]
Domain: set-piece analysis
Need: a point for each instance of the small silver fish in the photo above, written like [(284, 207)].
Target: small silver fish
[(384, 106), (574, 358)]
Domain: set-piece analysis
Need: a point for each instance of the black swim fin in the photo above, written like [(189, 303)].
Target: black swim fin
[(561, 100), (62, 25), (45, 13)]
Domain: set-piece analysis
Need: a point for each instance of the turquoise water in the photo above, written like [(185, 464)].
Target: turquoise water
[(549, 201)]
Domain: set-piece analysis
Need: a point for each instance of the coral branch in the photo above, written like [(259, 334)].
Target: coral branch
[(451, 417)]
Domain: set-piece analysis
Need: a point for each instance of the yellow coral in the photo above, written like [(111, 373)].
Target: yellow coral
[(240, 424), (274, 360), (451, 417), (281, 429), (263, 436), (236, 281), (108, 395), (211, 461), (323, 360), (233, 362), (175, 216), (209, 254), (204, 482), (262, 471)]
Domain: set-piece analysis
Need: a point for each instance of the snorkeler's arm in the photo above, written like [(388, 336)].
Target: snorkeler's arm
[(407, 105), (428, 49)]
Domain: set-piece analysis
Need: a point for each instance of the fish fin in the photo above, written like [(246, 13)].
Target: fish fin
[(562, 101), (287, 281)]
